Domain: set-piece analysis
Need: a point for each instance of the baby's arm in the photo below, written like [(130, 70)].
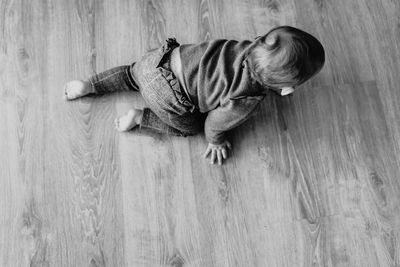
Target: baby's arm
[(226, 117)]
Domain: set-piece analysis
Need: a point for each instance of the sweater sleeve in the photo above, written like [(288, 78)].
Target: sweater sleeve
[(228, 116)]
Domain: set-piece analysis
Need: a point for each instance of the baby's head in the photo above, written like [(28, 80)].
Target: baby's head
[(284, 58)]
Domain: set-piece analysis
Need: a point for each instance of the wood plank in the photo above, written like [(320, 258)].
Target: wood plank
[(68, 205), (93, 220)]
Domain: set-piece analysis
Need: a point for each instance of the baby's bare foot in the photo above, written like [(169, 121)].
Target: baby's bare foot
[(129, 120), (76, 88)]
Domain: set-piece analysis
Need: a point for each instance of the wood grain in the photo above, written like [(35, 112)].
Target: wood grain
[(312, 181)]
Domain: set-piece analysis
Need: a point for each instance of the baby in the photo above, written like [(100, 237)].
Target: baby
[(212, 86)]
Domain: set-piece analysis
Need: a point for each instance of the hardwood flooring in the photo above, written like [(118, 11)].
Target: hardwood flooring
[(313, 179)]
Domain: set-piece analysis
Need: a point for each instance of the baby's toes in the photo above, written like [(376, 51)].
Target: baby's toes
[(116, 123), (65, 93), (68, 92)]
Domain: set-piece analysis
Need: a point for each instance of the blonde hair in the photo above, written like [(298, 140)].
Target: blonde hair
[(286, 56)]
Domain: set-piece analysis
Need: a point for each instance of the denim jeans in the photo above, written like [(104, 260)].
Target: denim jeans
[(169, 110)]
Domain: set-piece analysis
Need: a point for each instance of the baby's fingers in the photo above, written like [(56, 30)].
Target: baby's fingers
[(213, 156), (224, 153), (208, 150), (219, 156)]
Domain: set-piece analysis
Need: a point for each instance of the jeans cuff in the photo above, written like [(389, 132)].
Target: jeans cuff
[(90, 80), (145, 118)]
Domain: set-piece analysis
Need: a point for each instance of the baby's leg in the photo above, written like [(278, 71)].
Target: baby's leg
[(113, 80), (146, 119)]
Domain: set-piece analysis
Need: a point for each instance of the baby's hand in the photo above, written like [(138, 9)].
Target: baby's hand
[(218, 152)]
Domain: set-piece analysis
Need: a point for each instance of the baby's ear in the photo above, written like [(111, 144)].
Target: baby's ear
[(272, 40)]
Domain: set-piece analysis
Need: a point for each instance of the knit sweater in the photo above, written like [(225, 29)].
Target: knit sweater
[(218, 81)]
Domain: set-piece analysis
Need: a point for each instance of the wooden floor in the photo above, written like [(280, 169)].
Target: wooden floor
[(314, 179)]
